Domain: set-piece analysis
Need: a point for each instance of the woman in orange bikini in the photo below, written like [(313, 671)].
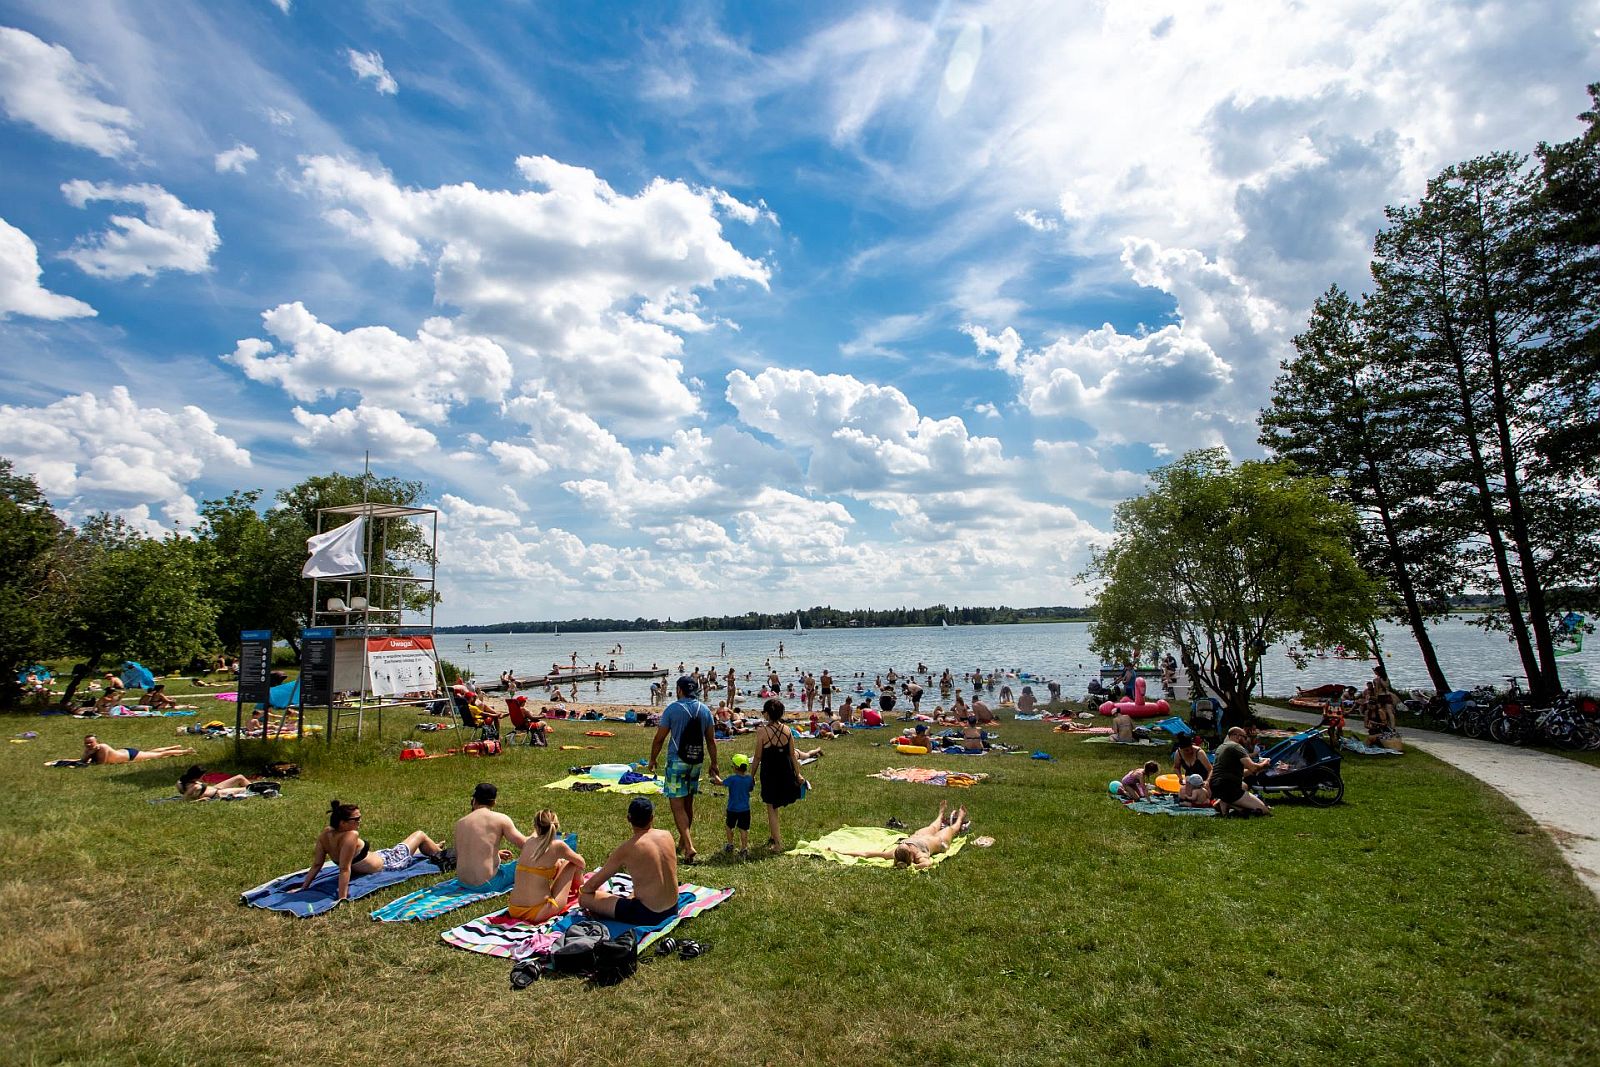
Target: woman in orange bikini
[(545, 872)]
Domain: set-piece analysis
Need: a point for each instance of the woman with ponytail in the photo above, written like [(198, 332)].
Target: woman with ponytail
[(341, 842), (545, 872)]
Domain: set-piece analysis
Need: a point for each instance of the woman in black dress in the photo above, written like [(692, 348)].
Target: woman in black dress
[(777, 768)]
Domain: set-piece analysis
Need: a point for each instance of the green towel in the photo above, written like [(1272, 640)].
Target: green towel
[(862, 839)]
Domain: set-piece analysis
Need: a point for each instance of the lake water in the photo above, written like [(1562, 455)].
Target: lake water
[(1470, 656)]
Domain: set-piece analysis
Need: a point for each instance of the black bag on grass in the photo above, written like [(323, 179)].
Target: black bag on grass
[(588, 950)]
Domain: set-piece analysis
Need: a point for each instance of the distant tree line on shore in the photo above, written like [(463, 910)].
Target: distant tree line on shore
[(813, 618)]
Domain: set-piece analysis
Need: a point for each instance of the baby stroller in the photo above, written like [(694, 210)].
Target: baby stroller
[(1307, 766)]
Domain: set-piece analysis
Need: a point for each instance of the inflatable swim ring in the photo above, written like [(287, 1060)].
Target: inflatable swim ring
[(1167, 783), (1148, 710)]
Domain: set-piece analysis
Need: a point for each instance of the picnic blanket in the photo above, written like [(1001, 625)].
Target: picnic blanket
[(1165, 804), (928, 776), (604, 785), (1148, 742), (862, 839), (1077, 728), (284, 894), (443, 897), (1361, 748), (495, 935)]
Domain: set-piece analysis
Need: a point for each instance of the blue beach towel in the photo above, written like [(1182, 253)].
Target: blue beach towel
[(284, 894), (447, 896)]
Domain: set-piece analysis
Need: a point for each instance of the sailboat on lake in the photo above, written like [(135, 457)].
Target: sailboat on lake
[(797, 630)]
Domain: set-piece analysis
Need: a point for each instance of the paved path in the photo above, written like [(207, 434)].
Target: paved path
[(1561, 795)]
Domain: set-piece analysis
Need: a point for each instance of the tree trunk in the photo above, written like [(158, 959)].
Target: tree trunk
[(1408, 590), (79, 673), (1484, 500)]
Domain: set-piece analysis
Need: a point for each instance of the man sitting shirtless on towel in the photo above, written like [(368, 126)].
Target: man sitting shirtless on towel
[(478, 835), (651, 857)]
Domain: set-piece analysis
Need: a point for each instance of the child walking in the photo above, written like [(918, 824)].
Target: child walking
[(739, 784)]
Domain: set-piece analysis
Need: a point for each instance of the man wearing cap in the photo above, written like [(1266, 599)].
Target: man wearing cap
[(478, 835), (690, 734), (648, 857)]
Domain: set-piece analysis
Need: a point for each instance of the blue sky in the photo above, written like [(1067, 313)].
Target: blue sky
[(702, 308)]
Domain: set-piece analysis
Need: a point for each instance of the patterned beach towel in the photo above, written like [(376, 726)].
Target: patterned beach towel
[(495, 935), (284, 894), (928, 776), (447, 896), (863, 839), (1163, 805), (1361, 748)]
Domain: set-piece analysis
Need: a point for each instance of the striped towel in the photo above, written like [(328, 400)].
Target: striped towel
[(447, 896), (495, 935)]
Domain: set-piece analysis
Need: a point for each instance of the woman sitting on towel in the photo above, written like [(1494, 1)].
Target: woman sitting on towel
[(341, 842), (545, 873), (190, 786), (919, 848)]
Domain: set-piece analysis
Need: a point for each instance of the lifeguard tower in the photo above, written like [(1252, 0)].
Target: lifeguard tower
[(373, 572)]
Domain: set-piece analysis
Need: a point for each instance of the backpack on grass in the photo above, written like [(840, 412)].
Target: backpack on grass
[(692, 739)]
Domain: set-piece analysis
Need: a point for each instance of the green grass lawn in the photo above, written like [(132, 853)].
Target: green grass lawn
[(1423, 921)]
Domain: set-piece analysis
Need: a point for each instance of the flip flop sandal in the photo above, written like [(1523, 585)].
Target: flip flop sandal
[(666, 946), (688, 950)]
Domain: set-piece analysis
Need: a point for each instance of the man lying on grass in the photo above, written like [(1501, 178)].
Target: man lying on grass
[(918, 848), (650, 857), (97, 751)]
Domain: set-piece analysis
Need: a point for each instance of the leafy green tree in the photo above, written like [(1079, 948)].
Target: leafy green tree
[(255, 562), (30, 578), (1345, 408), (1219, 561), (135, 597)]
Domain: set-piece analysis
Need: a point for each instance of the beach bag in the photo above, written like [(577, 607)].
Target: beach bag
[(446, 860), (575, 952), (692, 741), (616, 958)]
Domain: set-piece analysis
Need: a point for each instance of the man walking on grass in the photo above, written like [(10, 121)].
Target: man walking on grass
[(687, 728)]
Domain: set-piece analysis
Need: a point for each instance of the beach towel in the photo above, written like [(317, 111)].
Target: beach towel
[(495, 935), (284, 894), (1091, 731), (1147, 742), (1024, 717), (1361, 748), (862, 839), (604, 785), (928, 776), (447, 896), (1163, 805)]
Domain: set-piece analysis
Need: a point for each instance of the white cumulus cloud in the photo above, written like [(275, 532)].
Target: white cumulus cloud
[(91, 452), (587, 288), (44, 86), (20, 291), (423, 376), (365, 428), (370, 65), (170, 236), (235, 159)]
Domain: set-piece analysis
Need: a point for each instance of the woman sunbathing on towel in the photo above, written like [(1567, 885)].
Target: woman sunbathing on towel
[(341, 842), (545, 873), (97, 751), (190, 787), (919, 848)]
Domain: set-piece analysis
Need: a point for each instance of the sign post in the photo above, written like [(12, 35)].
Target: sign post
[(255, 680), (316, 673)]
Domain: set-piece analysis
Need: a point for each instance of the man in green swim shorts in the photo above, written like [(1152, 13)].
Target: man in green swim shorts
[(690, 736)]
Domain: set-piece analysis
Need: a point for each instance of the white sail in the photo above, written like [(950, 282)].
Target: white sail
[(943, 625), (797, 628)]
